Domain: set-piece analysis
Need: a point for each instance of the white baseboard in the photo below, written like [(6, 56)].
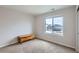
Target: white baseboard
[(8, 43), (56, 42)]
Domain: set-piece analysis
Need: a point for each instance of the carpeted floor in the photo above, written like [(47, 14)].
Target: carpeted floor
[(36, 46)]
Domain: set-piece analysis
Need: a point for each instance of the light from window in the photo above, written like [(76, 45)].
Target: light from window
[(54, 25)]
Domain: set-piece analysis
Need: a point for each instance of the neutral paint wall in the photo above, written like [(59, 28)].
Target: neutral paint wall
[(69, 27), (13, 24), (77, 30)]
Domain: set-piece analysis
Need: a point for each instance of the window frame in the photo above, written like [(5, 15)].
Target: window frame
[(53, 31)]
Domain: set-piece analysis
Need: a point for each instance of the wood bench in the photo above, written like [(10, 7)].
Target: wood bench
[(23, 38)]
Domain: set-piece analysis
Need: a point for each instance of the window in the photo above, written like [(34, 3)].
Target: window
[(54, 25)]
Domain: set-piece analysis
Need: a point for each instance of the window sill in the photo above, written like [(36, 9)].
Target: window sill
[(56, 34)]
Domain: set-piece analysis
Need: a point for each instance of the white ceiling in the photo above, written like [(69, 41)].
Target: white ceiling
[(35, 9)]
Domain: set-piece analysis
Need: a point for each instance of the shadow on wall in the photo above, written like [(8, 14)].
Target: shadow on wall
[(9, 42), (13, 40)]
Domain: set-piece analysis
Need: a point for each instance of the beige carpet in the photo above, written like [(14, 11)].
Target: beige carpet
[(36, 46)]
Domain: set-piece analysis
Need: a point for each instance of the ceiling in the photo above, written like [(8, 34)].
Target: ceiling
[(36, 9)]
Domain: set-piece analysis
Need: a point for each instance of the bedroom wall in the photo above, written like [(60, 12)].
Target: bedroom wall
[(69, 27), (13, 24)]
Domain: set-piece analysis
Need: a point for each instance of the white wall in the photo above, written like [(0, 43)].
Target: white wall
[(12, 24), (77, 30), (69, 27)]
